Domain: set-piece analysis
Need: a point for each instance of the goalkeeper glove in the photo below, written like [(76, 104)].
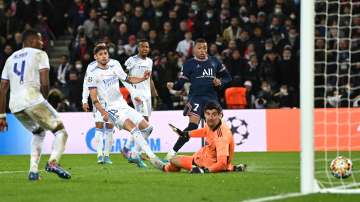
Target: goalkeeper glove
[(199, 170)]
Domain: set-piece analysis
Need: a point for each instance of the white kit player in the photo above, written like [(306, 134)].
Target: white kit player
[(136, 66), (103, 83), (103, 131), (27, 73)]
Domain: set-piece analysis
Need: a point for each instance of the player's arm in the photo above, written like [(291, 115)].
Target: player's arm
[(201, 132), (85, 95), (184, 77), (133, 92), (223, 76), (44, 82), (44, 67), (222, 154), (135, 80), (4, 88), (95, 100), (130, 79)]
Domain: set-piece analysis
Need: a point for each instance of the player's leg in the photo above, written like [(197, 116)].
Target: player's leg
[(99, 136), (109, 131), (36, 143), (143, 108), (193, 109), (47, 117), (99, 140), (128, 119), (179, 162)]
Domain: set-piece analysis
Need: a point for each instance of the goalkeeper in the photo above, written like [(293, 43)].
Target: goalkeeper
[(216, 155)]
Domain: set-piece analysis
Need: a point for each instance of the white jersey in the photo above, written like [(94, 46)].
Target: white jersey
[(90, 67), (22, 70), (137, 66), (106, 81)]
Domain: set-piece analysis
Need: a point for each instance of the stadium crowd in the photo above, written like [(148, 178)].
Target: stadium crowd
[(257, 40)]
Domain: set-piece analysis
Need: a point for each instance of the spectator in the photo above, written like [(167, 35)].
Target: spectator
[(211, 26), (62, 71), (233, 31), (7, 51), (167, 38), (250, 96), (9, 24), (131, 47), (135, 21), (269, 69), (185, 47), (94, 23), (144, 31)]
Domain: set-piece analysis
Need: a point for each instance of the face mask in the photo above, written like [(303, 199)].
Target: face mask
[(266, 89), (111, 50), (194, 7), (103, 4), (78, 66), (209, 15), (268, 48), (27, 2), (283, 91), (158, 13), (278, 10)]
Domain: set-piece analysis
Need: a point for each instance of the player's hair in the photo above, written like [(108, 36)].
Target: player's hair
[(99, 48), (213, 105), (142, 41), (27, 34), (200, 40), (99, 43)]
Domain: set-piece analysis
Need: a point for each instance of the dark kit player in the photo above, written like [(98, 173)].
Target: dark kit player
[(206, 75)]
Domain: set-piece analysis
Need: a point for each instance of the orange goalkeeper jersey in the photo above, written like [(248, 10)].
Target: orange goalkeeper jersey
[(218, 152)]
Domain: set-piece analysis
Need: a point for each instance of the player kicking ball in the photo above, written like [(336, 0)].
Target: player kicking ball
[(27, 73), (216, 155), (103, 130), (103, 83)]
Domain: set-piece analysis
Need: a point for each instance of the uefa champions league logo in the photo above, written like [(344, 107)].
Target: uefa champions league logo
[(239, 129)]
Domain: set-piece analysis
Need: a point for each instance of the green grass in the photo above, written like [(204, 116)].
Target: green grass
[(268, 174)]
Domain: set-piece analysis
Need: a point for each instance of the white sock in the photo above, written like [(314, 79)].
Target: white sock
[(170, 154), (99, 140), (145, 133), (108, 141), (36, 147), (139, 139), (129, 143), (58, 145)]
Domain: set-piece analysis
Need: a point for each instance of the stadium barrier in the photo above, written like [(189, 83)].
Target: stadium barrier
[(254, 130)]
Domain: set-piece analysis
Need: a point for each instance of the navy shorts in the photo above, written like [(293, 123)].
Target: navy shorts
[(195, 105)]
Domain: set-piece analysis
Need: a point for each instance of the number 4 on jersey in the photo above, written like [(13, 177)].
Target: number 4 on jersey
[(21, 71)]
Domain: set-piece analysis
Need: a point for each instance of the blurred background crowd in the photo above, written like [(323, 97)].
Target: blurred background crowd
[(257, 40)]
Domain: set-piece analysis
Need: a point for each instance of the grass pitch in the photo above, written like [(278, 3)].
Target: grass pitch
[(268, 174)]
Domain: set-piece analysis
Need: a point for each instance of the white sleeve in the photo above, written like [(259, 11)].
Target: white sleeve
[(91, 80), (85, 92), (129, 63), (43, 60), (119, 72), (4, 74)]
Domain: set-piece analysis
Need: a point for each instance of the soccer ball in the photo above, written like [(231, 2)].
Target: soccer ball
[(341, 167)]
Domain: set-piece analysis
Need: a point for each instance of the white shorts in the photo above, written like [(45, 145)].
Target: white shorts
[(143, 108), (97, 116), (41, 116), (119, 114)]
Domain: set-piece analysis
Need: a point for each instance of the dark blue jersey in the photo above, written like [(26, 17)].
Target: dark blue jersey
[(201, 75)]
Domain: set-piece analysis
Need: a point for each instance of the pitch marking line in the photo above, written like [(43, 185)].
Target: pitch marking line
[(13, 171), (276, 197)]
